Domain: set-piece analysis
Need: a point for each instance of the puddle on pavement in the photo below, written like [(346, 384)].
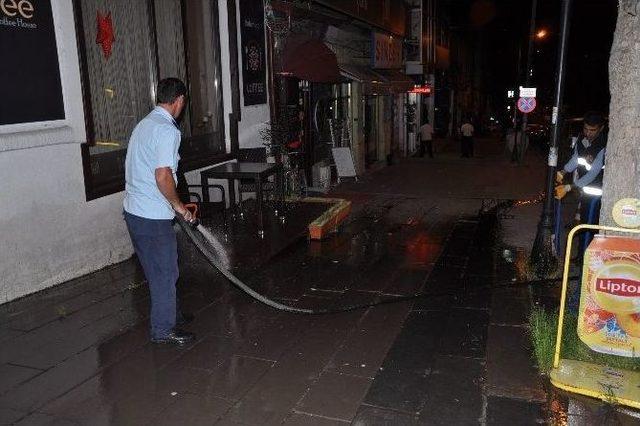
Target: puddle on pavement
[(362, 256), (569, 409)]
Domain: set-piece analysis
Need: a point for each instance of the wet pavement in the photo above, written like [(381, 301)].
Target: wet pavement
[(79, 353)]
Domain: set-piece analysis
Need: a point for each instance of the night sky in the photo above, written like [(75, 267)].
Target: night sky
[(504, 27)]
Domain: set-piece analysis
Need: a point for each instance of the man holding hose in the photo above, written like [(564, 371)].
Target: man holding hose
[(150, 204)]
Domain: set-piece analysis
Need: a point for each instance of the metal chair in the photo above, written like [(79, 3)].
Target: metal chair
[(253, 155), (186, 195)]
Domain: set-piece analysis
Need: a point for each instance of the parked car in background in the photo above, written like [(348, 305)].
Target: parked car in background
[(539, 134)]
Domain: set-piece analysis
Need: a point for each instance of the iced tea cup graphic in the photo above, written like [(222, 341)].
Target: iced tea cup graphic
[(609, 320)]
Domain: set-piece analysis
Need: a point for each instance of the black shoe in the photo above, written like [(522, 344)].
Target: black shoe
[(184, 319), (177, 337)]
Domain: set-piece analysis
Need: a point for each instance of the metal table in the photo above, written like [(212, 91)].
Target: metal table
[(258, 172)]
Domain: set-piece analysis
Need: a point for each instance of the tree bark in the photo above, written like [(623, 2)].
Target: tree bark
[(622, 172)]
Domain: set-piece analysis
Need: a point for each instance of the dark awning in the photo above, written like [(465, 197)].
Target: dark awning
[(396, 81), (310, 60), (373, 82), (377, 82)]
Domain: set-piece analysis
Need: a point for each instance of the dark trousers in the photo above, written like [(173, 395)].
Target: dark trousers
[(590, 214), (466, 146), (426, 146), (155, 244)]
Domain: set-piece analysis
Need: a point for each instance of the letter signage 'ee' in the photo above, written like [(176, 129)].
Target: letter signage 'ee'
[(30, 63)]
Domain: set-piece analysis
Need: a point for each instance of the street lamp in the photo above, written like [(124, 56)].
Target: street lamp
[(542, 256), (541, 34)]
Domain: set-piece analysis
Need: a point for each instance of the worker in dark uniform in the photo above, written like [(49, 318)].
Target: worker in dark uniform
[(587, 162)]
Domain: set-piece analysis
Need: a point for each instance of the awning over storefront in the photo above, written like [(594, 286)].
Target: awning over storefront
[(359, 73), (395, 81), (311, 60), (377, 82), (373, 83)]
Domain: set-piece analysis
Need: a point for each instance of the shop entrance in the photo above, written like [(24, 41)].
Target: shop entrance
[(370, 131)]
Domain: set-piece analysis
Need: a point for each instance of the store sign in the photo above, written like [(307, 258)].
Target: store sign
[(425, 89), (389, 15), (32, 90), (253, 52), (387, 51)]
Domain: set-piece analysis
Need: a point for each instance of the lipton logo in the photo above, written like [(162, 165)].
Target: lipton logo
[(618, 287), (629, 211)]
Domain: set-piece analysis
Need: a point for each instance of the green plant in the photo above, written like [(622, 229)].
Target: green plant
[(543, 327)]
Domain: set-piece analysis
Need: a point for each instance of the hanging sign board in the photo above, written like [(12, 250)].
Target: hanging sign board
[(32, 90), (609, 318), (254, 85), (387, 51)]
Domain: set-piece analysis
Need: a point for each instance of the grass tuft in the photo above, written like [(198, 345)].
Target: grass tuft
[(543, 327)]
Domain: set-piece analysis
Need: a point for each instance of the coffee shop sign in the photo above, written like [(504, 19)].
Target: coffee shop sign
[(14, 13), (387, 51)]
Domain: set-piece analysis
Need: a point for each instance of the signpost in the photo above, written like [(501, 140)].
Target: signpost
[(526, 105)]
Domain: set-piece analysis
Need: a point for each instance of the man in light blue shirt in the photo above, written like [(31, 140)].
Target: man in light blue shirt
[(150, 204), (154, 144)]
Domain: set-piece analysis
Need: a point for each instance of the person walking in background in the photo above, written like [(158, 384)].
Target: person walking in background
[(426, 139), (509, 142), (150, 204), (466, 130)]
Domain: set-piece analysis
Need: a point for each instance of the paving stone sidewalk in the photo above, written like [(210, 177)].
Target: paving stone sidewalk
[(79, 353)]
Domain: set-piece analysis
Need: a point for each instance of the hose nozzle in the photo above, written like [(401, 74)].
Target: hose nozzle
[(193, 208)]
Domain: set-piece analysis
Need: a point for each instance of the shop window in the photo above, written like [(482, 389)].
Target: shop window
[(126, 47)]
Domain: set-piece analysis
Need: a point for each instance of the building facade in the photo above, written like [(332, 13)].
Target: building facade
[(83, 73), (62, 145)]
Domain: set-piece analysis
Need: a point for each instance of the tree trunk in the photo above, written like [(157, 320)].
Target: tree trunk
[(622, 174)]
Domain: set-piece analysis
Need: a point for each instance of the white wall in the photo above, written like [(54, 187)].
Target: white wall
[(50, 233), (225, 71)]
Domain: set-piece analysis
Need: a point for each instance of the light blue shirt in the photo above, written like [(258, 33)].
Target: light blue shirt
[(153, 144)]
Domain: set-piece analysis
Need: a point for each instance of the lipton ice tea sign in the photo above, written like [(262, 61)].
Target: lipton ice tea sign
[(609, 320)]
